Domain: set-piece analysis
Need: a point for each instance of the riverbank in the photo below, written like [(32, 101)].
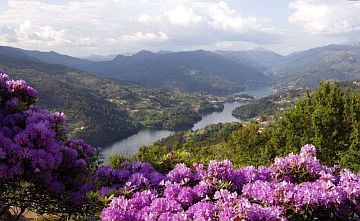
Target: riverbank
[(130, 145), (148, 136)]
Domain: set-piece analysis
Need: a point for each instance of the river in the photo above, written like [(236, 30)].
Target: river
[(131, 144)]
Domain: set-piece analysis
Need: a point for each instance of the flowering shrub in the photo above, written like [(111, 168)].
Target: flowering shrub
[(296, 187), (131, 176), (40, 169)]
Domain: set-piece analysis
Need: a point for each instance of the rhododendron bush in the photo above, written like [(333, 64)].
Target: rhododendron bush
[(40, 169), (296, 187)]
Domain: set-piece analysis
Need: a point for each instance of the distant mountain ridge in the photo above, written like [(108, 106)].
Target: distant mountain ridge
[(56, 58), (309, 67), (177, 69), (215, 72), (189, 71), (259, 58)]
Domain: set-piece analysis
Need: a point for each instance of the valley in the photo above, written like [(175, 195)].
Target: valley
[(148, 136), (171, 91), (93, 103)]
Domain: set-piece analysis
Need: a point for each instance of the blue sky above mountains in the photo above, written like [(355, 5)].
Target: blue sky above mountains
[(83, 27)]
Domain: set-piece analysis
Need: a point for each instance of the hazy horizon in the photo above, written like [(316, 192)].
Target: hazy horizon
[(92, 27), (113, 55)]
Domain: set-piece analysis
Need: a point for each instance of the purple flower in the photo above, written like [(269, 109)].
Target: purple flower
[(308, 150), (202, 211), (180, 173), (105, 191), (258, 213)]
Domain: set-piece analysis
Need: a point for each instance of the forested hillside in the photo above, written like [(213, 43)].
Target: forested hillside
[(109, 109), (268, 106)]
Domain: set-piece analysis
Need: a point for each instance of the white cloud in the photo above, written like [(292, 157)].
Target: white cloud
[(223, 17), (7, 34), (102, 27), (215, 15), (183, 16), (144, 18), (29, 32), (145, 37), (329, 17), (36, 24)]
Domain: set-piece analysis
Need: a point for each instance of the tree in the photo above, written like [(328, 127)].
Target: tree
[(247, 146), (328, 118)]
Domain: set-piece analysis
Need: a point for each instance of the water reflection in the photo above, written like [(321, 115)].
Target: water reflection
[(131, 144), (218, 117)]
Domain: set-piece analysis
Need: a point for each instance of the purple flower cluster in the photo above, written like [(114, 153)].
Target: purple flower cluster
[(34, 147), (129, 177), (299, 168), (15, 95), (296, 187)]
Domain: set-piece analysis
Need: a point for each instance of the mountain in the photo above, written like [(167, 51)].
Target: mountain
[(45, 57), (215, 72), (258, 58), (309, 67), (181, 70), (56, 58), (15, 53), (165, 52), (103, 110), (199, 71)]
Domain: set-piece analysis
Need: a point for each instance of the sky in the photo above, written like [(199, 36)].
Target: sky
[(87, 27)]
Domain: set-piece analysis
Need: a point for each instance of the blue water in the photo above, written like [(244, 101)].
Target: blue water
[(146, 137)]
